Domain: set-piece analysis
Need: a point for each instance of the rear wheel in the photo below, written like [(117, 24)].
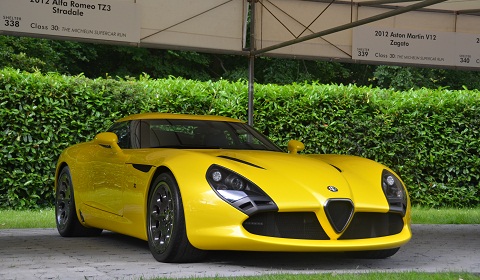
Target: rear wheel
[(166, 230), (67, 221), (375, 254)]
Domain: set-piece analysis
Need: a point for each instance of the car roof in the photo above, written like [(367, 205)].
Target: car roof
[(151, 116)]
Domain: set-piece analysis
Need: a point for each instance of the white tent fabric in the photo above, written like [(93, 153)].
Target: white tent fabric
[(317, 29)]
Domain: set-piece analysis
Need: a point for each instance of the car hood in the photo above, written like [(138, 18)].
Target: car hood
[(289, 179), (291, 172)]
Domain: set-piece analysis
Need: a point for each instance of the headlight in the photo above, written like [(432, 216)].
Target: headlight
[(395, 192), (222, 179), (392, 187), (239, 191)]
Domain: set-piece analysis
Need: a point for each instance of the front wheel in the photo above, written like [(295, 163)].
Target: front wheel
[(166, 230), (67, 221)]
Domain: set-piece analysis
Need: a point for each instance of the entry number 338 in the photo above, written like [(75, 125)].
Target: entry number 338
[(12, 23)]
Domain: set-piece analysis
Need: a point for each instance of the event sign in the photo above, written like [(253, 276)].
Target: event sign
[(91, 19), (416, 46)]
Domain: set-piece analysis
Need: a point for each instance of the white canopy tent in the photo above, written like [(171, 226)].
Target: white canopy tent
[(441, 33)]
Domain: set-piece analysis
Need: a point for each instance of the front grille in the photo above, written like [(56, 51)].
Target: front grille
[(296, 225), (339, 212), (370, 225)]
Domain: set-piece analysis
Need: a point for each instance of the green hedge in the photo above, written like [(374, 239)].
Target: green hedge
[(430, 137)]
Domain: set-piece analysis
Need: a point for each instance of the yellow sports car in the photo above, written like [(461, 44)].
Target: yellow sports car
[(188, 184)]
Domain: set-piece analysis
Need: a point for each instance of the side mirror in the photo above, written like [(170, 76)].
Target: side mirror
[(109, 139), (295, 146)]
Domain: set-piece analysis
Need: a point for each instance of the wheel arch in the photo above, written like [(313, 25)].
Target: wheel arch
[(159, 170), (59, 168)]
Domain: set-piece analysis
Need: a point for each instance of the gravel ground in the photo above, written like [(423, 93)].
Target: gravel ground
[(43, 254)]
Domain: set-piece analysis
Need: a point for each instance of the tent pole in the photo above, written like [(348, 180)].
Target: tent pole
[(251, 82), (251, 63)]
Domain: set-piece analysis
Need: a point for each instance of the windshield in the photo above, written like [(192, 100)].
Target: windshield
[(193, 134)]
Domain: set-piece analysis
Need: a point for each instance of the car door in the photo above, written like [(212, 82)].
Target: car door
[(109, 183), (109, 176)]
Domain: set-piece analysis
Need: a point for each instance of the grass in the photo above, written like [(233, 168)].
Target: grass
[(421, 215), (45, 218), (351, 276)]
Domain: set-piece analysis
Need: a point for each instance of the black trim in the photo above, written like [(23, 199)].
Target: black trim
[(339, 170), (241, 161), (372, 225), (141, 167), (295, 225), (339, 213)]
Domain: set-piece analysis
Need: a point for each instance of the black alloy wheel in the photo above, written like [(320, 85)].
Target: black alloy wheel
[(166, 228)]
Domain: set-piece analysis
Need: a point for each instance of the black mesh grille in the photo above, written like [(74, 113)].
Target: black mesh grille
[(339, 213), (296, 225), (370, 225)]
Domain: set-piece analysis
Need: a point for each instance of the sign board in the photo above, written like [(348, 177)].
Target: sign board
[(415, 46), (434, 37), (105, 20), (468, 50)]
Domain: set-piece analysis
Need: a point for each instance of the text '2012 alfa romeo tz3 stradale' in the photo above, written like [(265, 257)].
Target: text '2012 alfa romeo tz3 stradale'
[(189, 184)]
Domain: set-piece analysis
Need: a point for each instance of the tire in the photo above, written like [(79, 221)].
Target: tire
[(375, 254), (66, 218), (166, 230)]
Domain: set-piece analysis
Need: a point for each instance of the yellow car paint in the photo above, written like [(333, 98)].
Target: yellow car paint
[(112, 186)]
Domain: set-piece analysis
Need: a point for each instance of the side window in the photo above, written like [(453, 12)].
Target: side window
[(123, 133)]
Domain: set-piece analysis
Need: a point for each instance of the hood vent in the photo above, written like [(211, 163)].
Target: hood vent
[(241, 161), (336, 167)]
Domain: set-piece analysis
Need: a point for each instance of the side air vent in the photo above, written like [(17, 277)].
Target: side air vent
[(339, 213), (254, 204)]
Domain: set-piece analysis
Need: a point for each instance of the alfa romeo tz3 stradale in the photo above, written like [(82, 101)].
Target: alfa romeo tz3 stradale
[(189, 184)]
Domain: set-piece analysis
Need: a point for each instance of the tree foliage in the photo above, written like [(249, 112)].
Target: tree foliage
[(429, 137), (95, 60), (404, 78)]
